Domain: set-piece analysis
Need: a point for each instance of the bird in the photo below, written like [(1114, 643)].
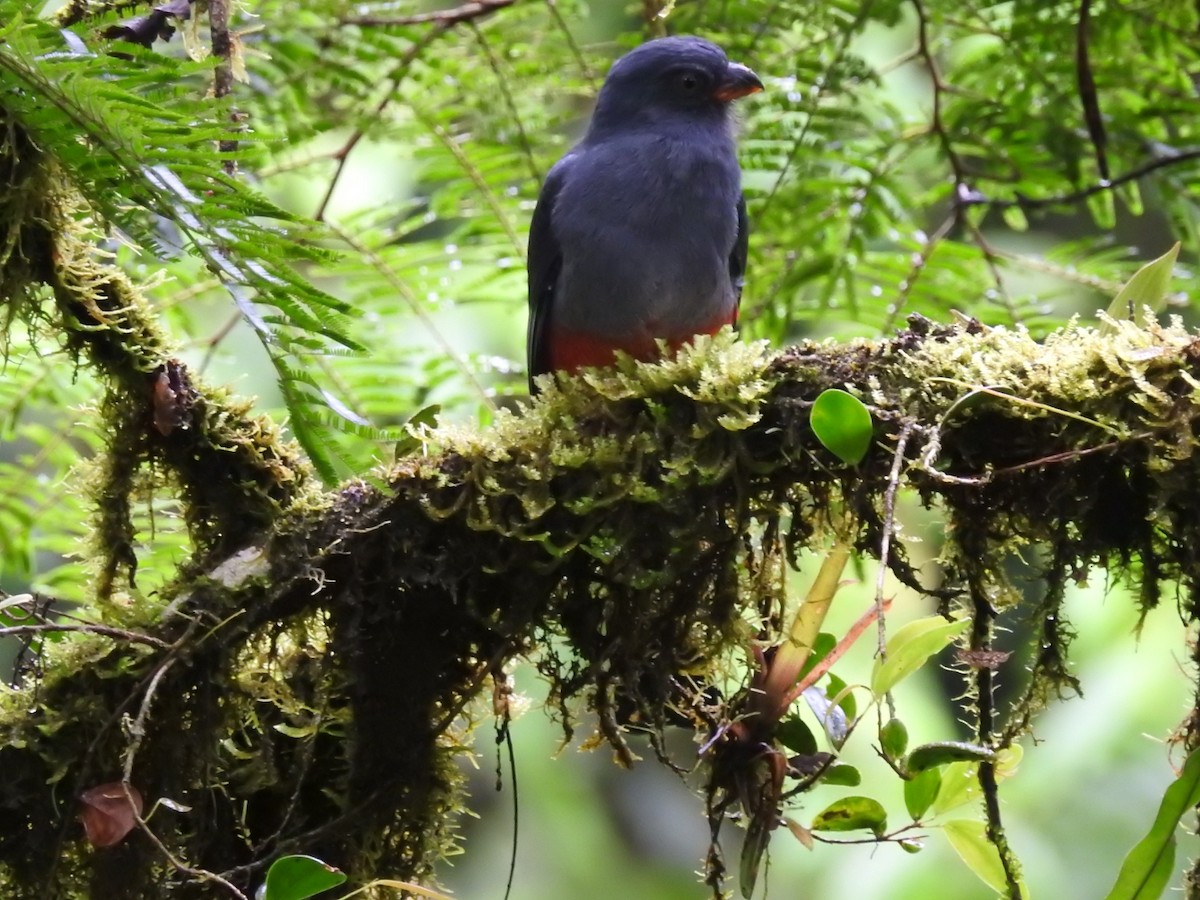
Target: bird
[(640, 232)]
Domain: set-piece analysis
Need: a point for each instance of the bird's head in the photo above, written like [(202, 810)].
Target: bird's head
[(673, 79)]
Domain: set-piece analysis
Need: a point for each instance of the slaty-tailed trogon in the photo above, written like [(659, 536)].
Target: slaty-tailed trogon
[(640, 232)]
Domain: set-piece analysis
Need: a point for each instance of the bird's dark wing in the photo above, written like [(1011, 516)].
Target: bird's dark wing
[(545, 263), (741, 247)]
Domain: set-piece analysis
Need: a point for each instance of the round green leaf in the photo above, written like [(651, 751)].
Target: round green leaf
[(893, 739), (852, 814), (843, 425), (299, 877)]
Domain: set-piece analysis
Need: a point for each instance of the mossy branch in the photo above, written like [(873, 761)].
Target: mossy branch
[(317, 675)]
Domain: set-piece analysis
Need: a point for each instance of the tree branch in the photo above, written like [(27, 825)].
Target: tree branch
[(614, 513)]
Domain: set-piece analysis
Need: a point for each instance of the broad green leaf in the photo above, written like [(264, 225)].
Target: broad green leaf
[(910, 647), (848, 776), (299, 877), (843, 425), (1148, 867), (960, 785), (852, 814), (1149, 286), (941, 753), (920, 791), (820, 649), (968, 837), (794, 733), (960, 780)]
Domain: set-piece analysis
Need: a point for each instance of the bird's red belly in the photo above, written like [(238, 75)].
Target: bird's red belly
[(571, 350)]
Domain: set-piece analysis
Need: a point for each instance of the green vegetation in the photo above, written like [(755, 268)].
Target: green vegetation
[(273, 624)]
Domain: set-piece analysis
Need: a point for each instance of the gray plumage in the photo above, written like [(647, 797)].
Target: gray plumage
[(640, 231)]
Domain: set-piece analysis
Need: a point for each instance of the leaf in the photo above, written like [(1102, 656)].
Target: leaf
[(852, 814), (941, 753), (839, 692), (802, 834), (1149, 286), (411, 442), (959, 785), (968, 837), (960, 780), (824, 643), (910, 647), (842, 423), (1014, 218), (109, 812), (920, 791), (893, 739), (299, 877), (831, 716), (794, 733), (1149, 866), (848, 776)]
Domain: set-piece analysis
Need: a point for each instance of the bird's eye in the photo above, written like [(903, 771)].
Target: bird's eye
[(689, 81)]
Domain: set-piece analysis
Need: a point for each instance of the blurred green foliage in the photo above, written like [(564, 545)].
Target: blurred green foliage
[(365, 259)]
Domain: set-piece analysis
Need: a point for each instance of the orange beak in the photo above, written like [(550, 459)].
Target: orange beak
[(739, 81)]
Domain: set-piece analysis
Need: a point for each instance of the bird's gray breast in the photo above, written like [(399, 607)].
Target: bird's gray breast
[(647, 226)]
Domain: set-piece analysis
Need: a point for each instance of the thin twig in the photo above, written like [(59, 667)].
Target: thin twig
[(1087, 89), (572, 44), (443, 18), (402, 288), (818, 90), (920, 260), (938, 125), (222, 50), (885, 541), (1033, 203), (473, 173), (853, 633), (502, 83), (442, 21), (131, 637), (394, 78), (137, 732)]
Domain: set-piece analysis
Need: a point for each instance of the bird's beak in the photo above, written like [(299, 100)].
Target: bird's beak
[(739, 81)]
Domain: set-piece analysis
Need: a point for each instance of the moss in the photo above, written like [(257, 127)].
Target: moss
[(629, 526)]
